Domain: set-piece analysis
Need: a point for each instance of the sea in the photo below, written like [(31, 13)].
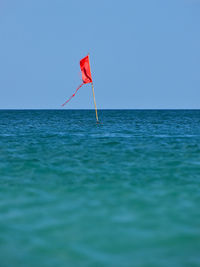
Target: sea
[(123, 192)]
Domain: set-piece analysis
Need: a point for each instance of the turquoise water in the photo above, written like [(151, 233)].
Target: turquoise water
[(122, 193)]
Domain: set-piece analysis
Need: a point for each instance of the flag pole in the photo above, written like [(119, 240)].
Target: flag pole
[(94, 99), (95, 103)]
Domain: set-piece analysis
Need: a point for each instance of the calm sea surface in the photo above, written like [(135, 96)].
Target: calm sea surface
[(122, 193)]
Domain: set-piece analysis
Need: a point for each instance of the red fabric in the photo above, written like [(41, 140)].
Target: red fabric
[(85, 69), (86, 75)]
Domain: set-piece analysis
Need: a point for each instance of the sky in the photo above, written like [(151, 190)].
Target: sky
[(144, 54)]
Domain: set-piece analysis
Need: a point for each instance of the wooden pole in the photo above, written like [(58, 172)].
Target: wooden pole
[(95, 103), (94, 97)]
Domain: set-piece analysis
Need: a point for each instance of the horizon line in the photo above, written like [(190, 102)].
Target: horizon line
[(1, 109)]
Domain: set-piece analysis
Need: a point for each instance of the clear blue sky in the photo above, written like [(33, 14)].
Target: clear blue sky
[(144, 54)]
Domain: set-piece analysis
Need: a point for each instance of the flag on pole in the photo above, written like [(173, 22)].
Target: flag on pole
[(85, 69), (86, 75), (87, 78)]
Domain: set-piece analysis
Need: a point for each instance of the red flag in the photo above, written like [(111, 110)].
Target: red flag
[(85, 69), (86, 75)]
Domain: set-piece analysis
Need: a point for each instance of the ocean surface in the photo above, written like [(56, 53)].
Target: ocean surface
[(125, 192)]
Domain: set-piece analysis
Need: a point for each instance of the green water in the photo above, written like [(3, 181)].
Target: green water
[(122, 193)]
